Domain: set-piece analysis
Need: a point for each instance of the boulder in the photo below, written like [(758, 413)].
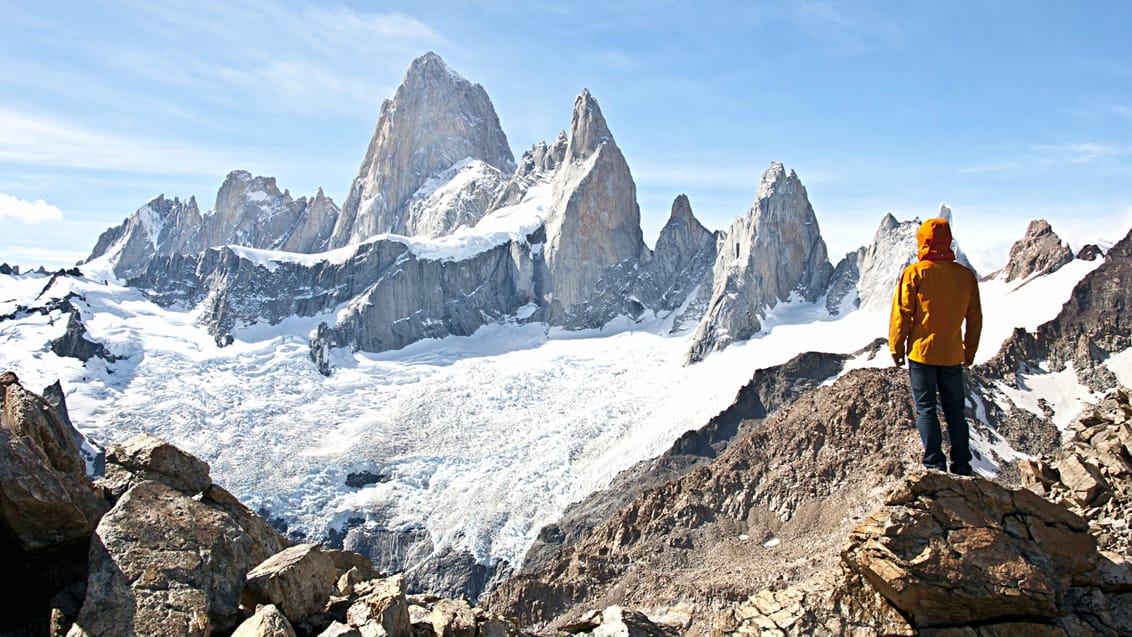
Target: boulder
[(338, 629), (382, 608), (162, 562), (267, 622), (299, 580), (949, 551), (616, 621), (453, 618), (147, 457)]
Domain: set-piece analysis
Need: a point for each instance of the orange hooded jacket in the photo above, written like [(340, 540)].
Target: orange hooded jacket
[(934, 298)]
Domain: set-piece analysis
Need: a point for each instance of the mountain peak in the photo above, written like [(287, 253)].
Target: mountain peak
[(431, 65), (435, 120), (681, 208), (588, 130), (774, 175), (1040, 251)]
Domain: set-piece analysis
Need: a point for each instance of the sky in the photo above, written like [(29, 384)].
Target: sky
[(1006, 111)]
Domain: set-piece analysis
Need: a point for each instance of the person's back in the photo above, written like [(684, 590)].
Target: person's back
[(935, 298)]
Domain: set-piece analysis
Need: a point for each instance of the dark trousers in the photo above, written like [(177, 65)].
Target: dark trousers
[(947, 381)]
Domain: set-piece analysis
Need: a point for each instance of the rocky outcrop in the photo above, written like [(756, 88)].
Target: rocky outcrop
[(773, 253), (435, 120), (74, 342), (954, 556), (167, 557), (1040, 251), (681, 268), (1091, 473), (1093, 324), (48, 508)]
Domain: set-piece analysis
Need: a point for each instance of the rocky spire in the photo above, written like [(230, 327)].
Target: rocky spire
[(435, 120), (588, 130), (1040, 251), (776, 250), (594, 221)]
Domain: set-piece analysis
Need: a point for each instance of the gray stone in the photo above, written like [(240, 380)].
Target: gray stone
[(163, 563), (299, 580), (147, 457)]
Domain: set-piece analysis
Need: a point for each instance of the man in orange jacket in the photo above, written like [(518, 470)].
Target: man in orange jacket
[(934, 299)]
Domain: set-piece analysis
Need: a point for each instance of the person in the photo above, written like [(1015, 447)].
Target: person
[(935, 298)]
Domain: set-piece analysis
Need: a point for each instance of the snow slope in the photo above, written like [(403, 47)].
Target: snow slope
[(486, 438)]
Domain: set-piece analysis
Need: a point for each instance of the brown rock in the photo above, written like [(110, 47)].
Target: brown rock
[(1084, 480), (299, 580), (453, 618), (949, 551), (267, 622), (382, 607)]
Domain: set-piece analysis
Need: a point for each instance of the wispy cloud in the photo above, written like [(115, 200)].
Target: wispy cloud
[(1080, 153), (36, 139), (1123, 111), (37, 211), (315, 59)]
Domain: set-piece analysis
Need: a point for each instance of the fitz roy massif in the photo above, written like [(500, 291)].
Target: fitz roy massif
[(475, 379)]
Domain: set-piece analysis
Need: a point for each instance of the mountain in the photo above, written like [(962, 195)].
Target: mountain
[(465, 406), (436, 120), (249, 211), (1040, 251), (773, 253)]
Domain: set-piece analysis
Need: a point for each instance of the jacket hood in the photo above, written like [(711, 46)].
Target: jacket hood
[(934, 241)]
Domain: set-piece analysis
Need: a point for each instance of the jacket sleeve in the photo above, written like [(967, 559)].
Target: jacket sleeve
[(973, 328), (900, 322)]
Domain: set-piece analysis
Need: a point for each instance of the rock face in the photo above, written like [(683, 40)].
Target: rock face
[(435, 120), (773, 252), (250, 211), (48, 508), (1040, 251), (594, 221)]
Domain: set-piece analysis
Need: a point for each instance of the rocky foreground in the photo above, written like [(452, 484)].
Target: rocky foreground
[(154, 548)]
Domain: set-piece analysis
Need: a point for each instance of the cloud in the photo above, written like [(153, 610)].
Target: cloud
[(36, 139), (37, 211), (1081, 153), (317, 58)]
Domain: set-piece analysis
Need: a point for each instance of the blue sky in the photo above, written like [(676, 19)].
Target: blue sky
[(1007, 111)]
